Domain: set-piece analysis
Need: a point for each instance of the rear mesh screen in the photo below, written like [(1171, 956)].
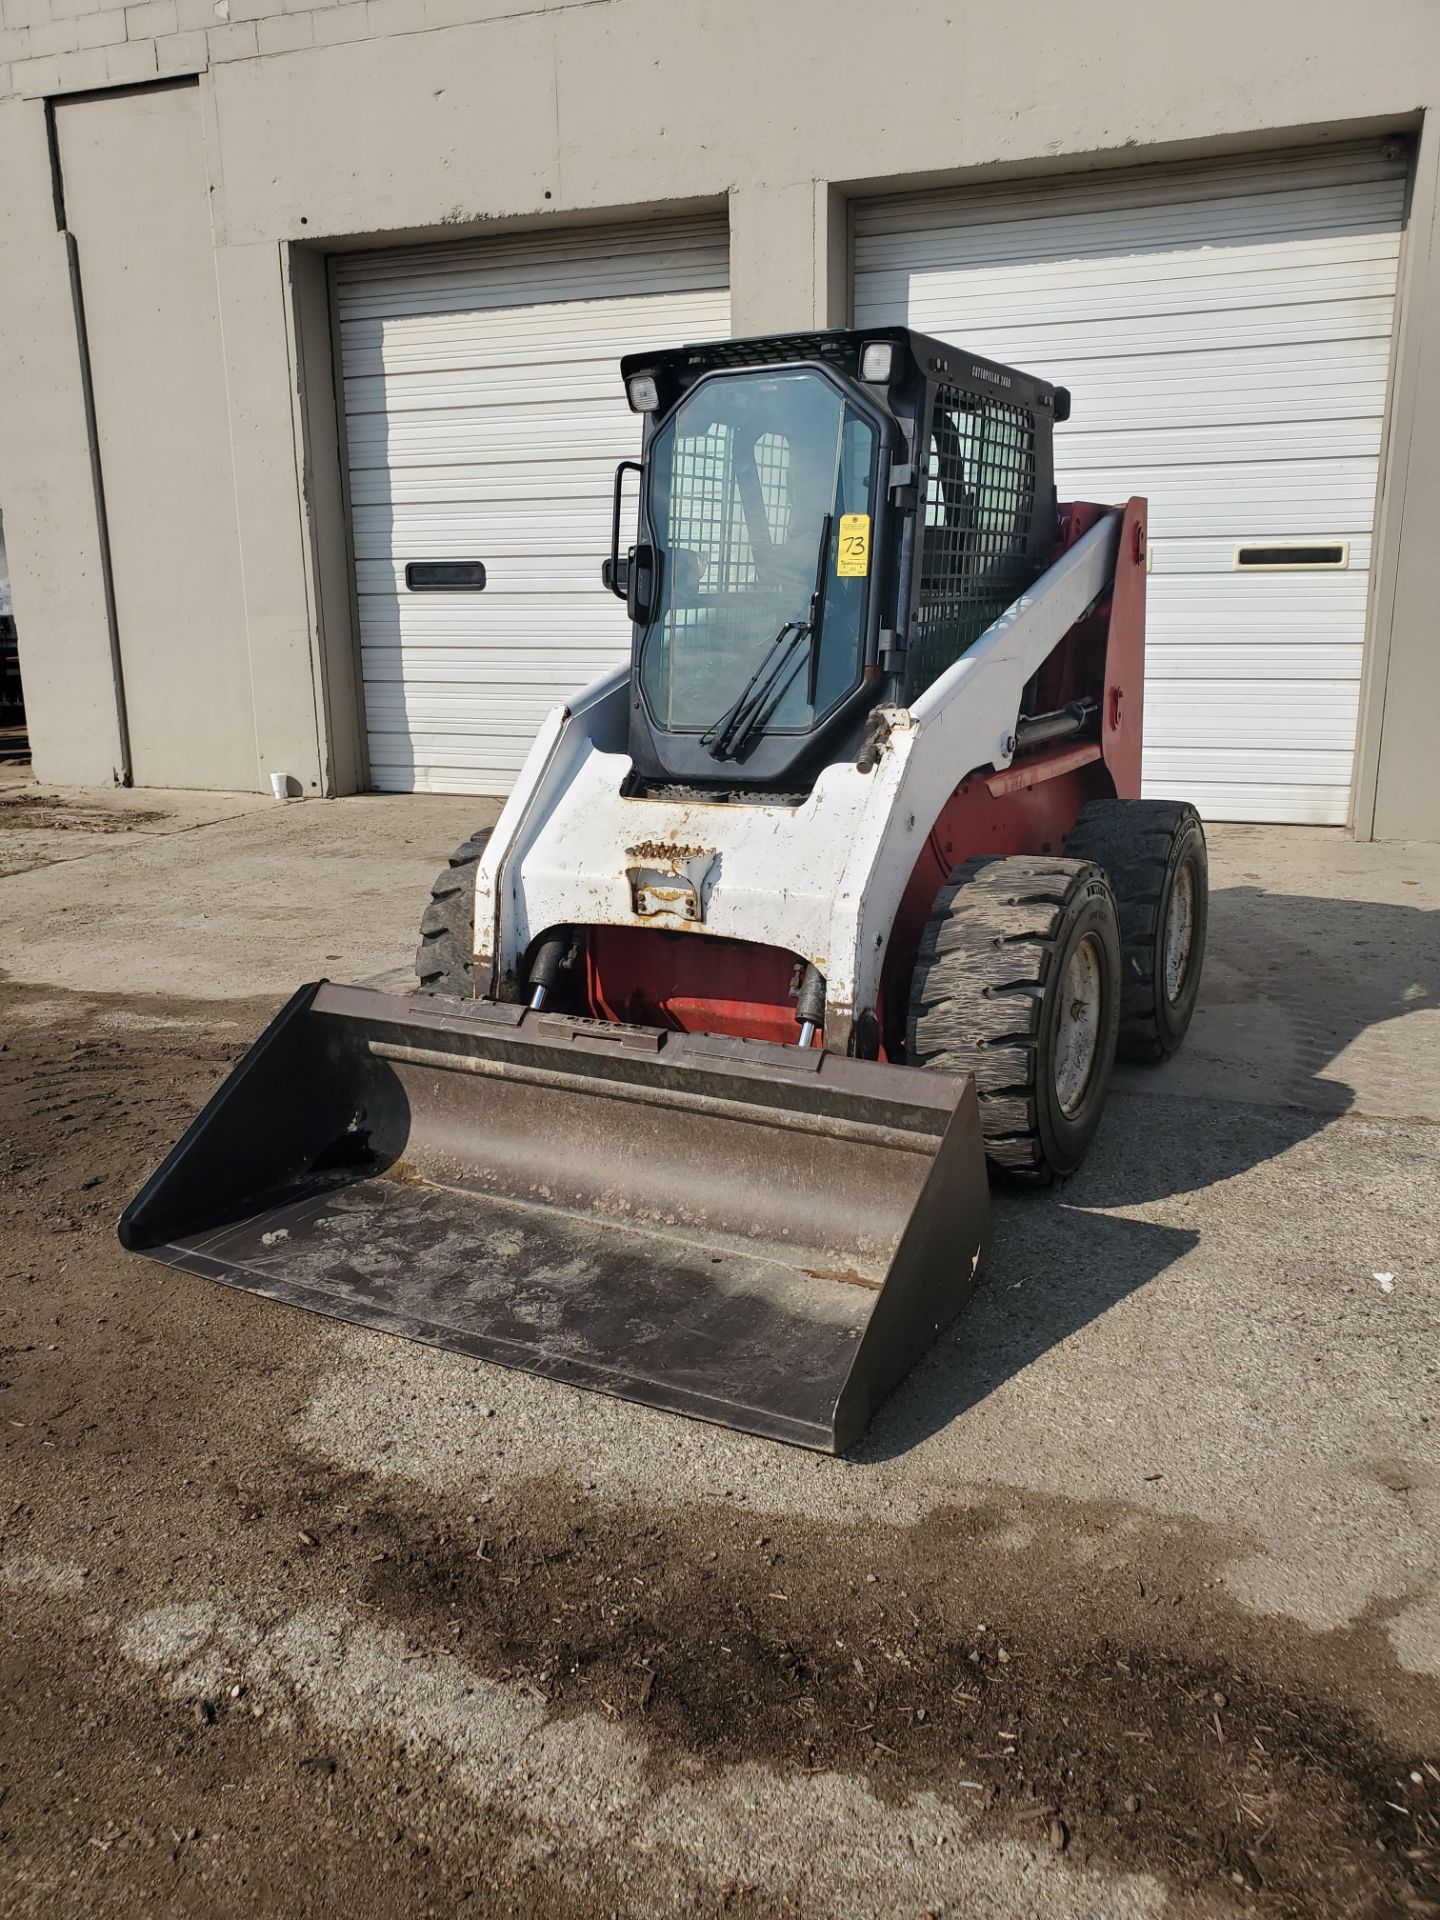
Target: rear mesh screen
[(978, 512)]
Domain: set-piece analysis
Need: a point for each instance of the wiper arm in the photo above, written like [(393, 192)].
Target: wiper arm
[(773, 692), (765, 688), (735, 722)]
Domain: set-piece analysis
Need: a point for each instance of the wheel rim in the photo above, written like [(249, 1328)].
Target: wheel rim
[(1077, 1037), (1179, 932)]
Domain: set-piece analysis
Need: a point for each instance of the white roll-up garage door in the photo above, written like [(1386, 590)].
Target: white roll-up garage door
[(484, 416), (1225, 332)]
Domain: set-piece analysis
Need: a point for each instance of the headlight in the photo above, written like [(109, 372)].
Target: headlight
[(643, 393), (877, 362)]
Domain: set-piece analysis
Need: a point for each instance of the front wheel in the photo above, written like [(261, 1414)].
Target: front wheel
[(1017, 980), (445, 956)]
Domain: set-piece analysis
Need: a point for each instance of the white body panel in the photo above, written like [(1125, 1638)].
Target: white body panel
[(1225, 332), (822, 880), (484, 415)]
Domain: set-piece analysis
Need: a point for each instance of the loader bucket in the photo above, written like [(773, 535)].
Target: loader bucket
[(747, 1233)]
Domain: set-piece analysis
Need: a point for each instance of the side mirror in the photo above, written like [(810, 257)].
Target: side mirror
[(615, 573)]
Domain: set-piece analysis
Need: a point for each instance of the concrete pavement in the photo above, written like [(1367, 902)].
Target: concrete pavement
[(1223, 1336), (1196, 1325)]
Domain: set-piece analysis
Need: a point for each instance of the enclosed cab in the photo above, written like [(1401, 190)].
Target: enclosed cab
[(826, 521)]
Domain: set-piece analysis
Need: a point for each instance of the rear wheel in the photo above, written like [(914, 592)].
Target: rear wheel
[(1017, 981), (1154, 853), (445, 956)]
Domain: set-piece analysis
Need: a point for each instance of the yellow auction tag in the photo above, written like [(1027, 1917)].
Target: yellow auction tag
[(852, 560)]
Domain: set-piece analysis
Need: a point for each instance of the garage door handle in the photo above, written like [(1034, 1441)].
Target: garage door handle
[(445, 576)]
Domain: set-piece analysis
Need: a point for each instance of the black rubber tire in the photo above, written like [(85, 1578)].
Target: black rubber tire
[(1144, 845), (444, 958), (985, 999)]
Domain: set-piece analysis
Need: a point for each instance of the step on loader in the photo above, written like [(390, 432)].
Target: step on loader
[(837, 890)]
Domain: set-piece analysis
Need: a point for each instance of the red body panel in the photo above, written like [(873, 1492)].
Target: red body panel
[(1027, 809), (1120, 732), (1104, 655), (650, 977)]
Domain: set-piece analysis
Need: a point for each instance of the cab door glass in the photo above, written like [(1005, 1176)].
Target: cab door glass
[(750, 480)]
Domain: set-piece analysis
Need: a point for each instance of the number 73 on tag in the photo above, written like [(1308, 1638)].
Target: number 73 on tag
[(852, 559)]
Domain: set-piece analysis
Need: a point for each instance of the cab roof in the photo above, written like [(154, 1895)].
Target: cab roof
[(921, 358)]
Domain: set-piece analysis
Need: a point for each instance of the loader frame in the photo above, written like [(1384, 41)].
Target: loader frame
[(831, 878)]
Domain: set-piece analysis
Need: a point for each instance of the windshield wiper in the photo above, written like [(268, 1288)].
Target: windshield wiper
[(769, 683), (736, 725)]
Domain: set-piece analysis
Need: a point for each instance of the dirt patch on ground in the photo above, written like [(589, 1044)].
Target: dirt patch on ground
[(38, 829), (1125, 1711), (49, 813), (1070, 1679)]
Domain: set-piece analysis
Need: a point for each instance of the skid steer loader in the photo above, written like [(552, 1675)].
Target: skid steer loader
[(840, 887)]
